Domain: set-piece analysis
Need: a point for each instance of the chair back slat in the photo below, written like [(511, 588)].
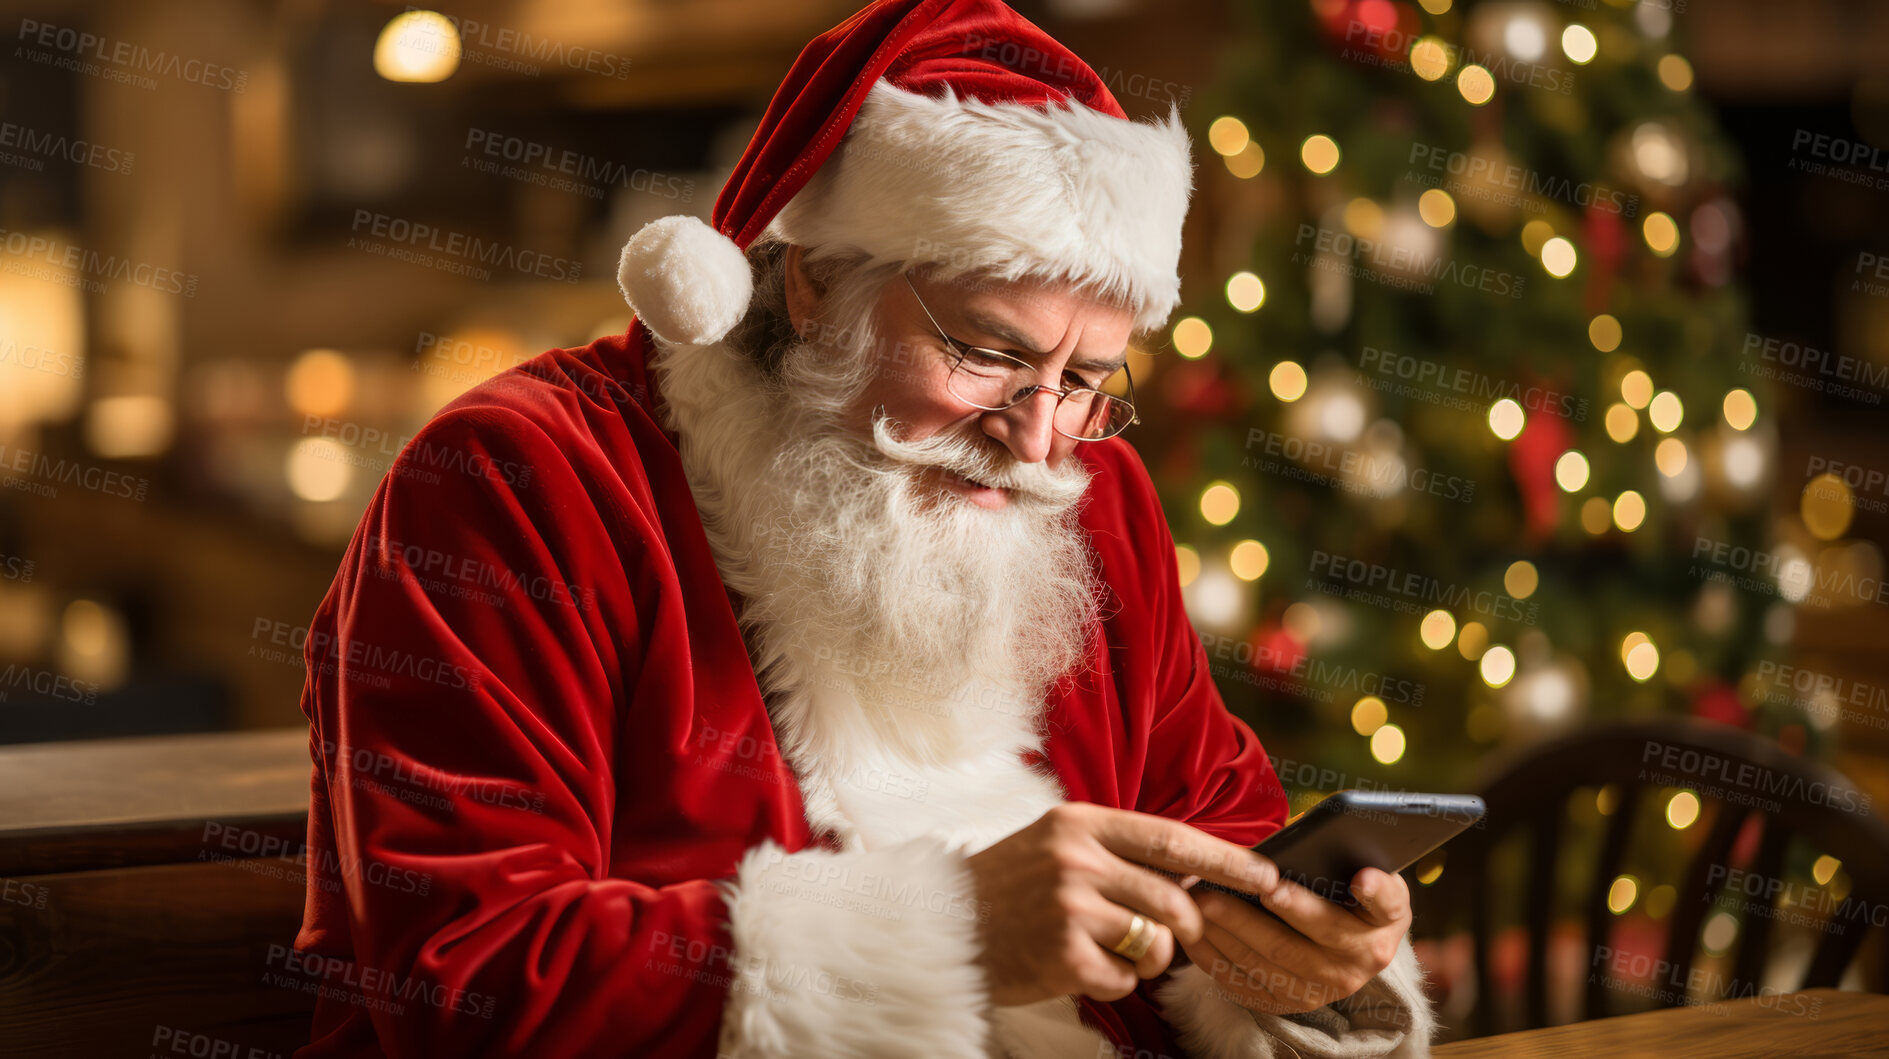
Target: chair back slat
[(1754, 935), (1600, 918), (1698, 893)]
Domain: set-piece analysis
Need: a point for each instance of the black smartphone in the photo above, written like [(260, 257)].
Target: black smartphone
[(1326, 846)]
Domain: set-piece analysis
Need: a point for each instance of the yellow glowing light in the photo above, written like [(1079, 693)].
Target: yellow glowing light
[(1302, 621), (1430, 875), (1719, 934), (1675, 72), (1596, 515), (1670, 457), (1429, 59), (1521, 579), (1622, 423), (1476, 84), (1245, 291), (1827, 506), (1825, 869), (130, 425), (1247, 164), (1287, 381), (1604, 332), (1630, 641), (1497, 666), (1643, 661), (1364, 218), (1436, 208), (1535, 235), (1472, 641), (320, 383), (1636, 388), (1741, 409), (1558, 257), (1622, 894), (1319, 153), (1192, 337), (1606, 800), (1368, 715), (318, 469), (1228, 135), (1249, 560), (1629, 511), (1435, 7), (1578, 44), (1219, 502), (1571, 471), (1387, 744), (1682, 810), (1188, 560), (417, 47), (1662, 233), (1506, 419), (1437, 629), (1665, 412)]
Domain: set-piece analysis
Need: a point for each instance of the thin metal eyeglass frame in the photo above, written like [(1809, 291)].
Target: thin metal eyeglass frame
[(961, 349)]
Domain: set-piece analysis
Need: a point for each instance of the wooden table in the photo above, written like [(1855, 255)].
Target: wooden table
[(143, 883), (1816, 1022)]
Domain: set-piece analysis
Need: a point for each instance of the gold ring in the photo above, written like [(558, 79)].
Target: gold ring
[(1135, 944)]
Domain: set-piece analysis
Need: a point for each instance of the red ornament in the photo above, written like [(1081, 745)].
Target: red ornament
[(1275, 650), (1716, 700), (1532, 458), (1604, 240)]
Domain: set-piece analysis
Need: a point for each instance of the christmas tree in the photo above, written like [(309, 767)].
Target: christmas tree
[(1474, 455)]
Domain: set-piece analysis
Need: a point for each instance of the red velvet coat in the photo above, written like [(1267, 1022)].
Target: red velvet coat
[(538, 739)]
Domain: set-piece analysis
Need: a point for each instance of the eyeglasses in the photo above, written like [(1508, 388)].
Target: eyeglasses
[(993, 380)]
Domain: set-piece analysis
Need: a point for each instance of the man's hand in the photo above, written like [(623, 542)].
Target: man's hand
[(1061, 892), (1321, 952)]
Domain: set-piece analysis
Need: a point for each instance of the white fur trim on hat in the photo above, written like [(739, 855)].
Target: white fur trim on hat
[(688, 283), (1006, 190)]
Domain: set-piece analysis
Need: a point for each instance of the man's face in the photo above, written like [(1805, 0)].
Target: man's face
[(1070, 338)]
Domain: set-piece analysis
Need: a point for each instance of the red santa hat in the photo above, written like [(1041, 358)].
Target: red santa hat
[(949, 133)]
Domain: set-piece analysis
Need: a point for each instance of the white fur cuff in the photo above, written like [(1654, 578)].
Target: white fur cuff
[(1389, 1018), (854, 954)]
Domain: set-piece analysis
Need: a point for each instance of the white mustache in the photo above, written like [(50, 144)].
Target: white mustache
[(964, 455)]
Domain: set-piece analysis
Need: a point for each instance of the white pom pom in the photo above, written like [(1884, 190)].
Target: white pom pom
[(687, 282)]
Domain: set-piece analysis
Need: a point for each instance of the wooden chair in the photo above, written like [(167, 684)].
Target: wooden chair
[(1741, 780)]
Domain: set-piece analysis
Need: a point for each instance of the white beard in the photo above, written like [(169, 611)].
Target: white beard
[(882, 616)]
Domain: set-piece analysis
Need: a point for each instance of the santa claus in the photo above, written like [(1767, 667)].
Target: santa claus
[(827, 691)]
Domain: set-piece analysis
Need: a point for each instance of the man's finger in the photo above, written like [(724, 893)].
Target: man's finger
[(1259, 936), (1159, 842), (1133, 886), (1383, 898)]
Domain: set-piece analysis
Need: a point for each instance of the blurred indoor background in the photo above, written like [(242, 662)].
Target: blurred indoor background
[(1531, 372)]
